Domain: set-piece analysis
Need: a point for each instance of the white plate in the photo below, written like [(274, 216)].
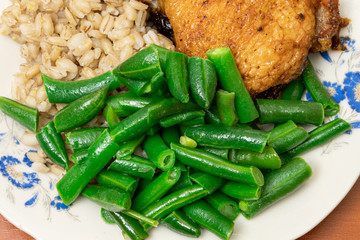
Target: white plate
[(30, 201)]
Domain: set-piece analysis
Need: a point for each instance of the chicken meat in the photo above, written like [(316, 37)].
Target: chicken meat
[(270, 39)]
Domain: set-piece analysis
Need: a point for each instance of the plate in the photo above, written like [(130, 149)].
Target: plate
[(30, 201)]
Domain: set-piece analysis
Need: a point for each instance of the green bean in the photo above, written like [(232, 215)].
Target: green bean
[(80, 111), (209, 182), (212, 116), (109, 198), (127, 103), (69, 91), (321, 135), (156, 189), (287, 136), (79, 156), (231, 81), (159, 153), (294, 90), (191, 123), (174, 201), (79, 175), (183, 182), (188, 142), (129, 147), (26, 116), (110, 116), (279, 111), (225, 205), (135, 166), (268, 159), (203, 81), (106, 216), (180, 117), (221, 152), (209, 218), (278, 184), (226, 107), (53, 145), (136, 86), (217, 166), (140, 217), (178, 222), (241, 191), (318, 91), (131, 227), (163, 54), (82, 139), (170, 134), (228, 137), (177, 76), (110, 178)]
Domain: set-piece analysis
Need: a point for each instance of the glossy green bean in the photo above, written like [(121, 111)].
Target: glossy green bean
[(187, 142), (203, 81), (318, 91), (159, 153), (80, 111), (267, 159), (109, 198), (294, 90), (209, 218), (181, 117), (153, 130), (170, 134), (53, 145), (127, 103), (136, 86), (209, 182), (69, 91), (131, 227), (129, 147), (163, 54), (106, 216), (135, 166), (26, 116), (191, 123), (79, 156), (280, 111), (177, 76), (241, 191), (110, 178), (221, 152), (79, 175), (287, 136), (81, 139), (231, 81), (140, 217), (156, 189), (110, 116), (179, 222), (183, 182), (225, 205), (320, 136), (212, 116), (228, 137), (278, 184), (217, 166), (226, 107)]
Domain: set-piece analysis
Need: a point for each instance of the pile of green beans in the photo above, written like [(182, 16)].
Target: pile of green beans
[(179, 149)]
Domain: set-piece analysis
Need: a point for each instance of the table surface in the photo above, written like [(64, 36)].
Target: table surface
[(342, 223)]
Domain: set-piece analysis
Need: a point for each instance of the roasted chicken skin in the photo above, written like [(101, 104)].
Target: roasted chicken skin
[(270, 39)]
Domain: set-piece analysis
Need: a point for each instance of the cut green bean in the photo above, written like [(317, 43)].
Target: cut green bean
[(188, 142), (208, 217), (159, 153), (287, 136), (228, 137), (127, 103), (221, 152), (170, 134), (231, 81), (268, 159), (203, 81), (80, 111), (79, 175), (212, 116), (110, 178), (226, 107), (225, 205), (318, 91), (129, 147), (179, 222), (177, 76), (106, 216), (217, 166), (181, 117), (294, 90), (156, 189), (183, 182), (69, 91), (110, 116), (140, 217), (191, 123), (26, 116), (53, 145), (131, 227), (82, 139), (321, 135), (280, 111), (135, 166), (136, 86), (278, 184), (79, 156), (163, 54), (209, 182), (109, 198), (241, 191), (153, 130)]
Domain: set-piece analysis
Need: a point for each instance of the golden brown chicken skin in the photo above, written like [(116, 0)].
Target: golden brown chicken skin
[(270, 39)]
